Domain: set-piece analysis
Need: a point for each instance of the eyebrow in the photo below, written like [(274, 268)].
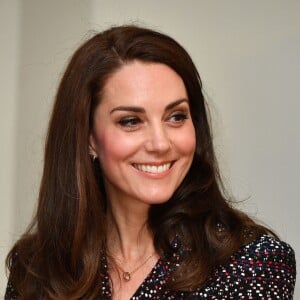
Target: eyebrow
[(138, 109)]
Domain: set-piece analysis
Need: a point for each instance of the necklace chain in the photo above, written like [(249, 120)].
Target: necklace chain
[(128, 274)]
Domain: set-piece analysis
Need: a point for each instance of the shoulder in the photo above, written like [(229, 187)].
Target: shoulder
[(17, 262), (266, 251), (264, 268), (11, 293), (269, 258)]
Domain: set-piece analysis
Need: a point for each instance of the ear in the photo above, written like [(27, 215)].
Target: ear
[(92, 146)]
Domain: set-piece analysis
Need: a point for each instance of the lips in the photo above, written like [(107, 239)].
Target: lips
[(154, 169)]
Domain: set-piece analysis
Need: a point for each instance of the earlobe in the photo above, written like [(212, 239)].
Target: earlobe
[(92, 148)]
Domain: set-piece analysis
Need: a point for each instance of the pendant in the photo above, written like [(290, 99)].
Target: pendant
[(126, 276)]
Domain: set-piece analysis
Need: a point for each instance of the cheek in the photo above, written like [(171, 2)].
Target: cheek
[(113, 147), (186, 142)]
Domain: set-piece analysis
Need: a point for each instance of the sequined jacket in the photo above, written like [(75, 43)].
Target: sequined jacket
[(263, 269)]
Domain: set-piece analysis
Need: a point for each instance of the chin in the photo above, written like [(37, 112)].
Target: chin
[(157, 199)]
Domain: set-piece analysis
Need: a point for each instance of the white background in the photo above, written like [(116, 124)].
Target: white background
[(247, 53)]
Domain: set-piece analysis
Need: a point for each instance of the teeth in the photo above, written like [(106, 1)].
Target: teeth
[(153, 169)]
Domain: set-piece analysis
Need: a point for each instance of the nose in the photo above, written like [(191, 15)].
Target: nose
[(157, 139)]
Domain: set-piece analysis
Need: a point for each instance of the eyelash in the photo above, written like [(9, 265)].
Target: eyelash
[(179, 117), (131, 123)]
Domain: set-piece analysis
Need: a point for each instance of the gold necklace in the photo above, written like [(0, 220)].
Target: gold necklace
[(127, 275)]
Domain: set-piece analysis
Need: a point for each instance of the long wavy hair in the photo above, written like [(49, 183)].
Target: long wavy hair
[(59, 255)]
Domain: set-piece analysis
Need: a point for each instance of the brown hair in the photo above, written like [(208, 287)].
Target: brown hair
[(59, 256)]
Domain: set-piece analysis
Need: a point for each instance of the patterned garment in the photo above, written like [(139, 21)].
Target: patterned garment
[(263, 269)]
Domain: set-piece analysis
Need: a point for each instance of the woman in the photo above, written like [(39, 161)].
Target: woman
[(131, 204)]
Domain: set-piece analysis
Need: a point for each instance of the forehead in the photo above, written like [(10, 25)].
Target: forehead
[(143, 82)]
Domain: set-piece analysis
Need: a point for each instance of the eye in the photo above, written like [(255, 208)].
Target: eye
[(178, 118), (129, 122)]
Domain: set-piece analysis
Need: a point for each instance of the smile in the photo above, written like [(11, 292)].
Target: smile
[(153, 168)]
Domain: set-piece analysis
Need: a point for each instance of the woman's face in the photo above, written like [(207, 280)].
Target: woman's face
[(143, 133)]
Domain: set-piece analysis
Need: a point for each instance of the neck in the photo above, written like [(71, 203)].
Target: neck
[(128, 236)]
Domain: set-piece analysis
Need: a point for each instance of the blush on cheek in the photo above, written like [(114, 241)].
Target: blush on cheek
[(187, 144), (117, 146)]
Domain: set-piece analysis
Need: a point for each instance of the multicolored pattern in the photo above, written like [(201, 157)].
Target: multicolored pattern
[(263, 269)]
